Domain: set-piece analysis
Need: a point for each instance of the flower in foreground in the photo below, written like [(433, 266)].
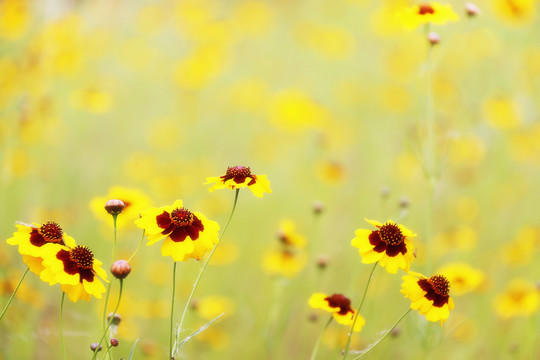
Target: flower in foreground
[(430, 296), (188, 235), (78, 272), (427, 13), (238, 177), (340, 308), (389, 245), (520, 298)]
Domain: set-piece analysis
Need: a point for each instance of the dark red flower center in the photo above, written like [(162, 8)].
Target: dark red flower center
[(239, 174), (437, 289), (179, 224), (51, 232), (340, 301), (82, 257), (425, 9), (391, 234), (78, 260)]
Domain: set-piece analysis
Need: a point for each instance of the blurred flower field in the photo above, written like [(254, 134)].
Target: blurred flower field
[(288, 124)]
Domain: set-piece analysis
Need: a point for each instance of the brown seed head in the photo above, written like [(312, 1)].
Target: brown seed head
[(114, 206), (120, 269)]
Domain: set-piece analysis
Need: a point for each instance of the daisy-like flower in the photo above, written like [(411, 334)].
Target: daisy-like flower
[(340, 307), (430, 296), (36, 242), (520, 298), (427, 13), (463, 277), (284, 262), (77, 271), (389, 245), (238, 177), (189, 235), (288, 235)]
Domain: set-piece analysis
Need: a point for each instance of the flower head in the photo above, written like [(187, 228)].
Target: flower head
[(463, 277), (238, 177), (188, 235), (340, 307), (284, 262), (430, 296), (389, 245), (520, 298), (427, 13)]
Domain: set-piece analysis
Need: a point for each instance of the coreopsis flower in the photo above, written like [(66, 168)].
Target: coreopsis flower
[(463, 277), (340, 307), (427, 13), (389, 245), (36, 242), (134, 202), (430, 296), (288, 235), (520, 298), (284, 262), (77, 271), (188, 235), (238, 177)]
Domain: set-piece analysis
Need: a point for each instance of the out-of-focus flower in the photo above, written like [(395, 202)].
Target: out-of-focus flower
[(253, 18), (463, 277), (468, 150), (522, 248), (238, 177), (340, 308), (471, 9), (331, 172), (288, 236), (211, 307), (430, 296), (77, 271), (14, 18), (188, 235), (332, 42), (426, 13), (92, 100), (520, 298), (434, 38), (502, 113), (134, 200), (389, 245), (284, 262), (515, 12), (463, 238)]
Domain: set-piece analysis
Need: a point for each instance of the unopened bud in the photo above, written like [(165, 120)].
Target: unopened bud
[(433, 38), (120, 269), (385, 191), (471, 9), (114, 206), (313, 317), (322, 261), (318, 207), (114, 342), (94, 346), (404, 202), (116, 319)]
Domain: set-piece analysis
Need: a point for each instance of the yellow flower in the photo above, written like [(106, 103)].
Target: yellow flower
[(135, 201), (516, 12), (340, 307), (288, 236), (521, 298), (211, 307), (430, 296), (189, 235), (389, 245), (77, 271), (284, 262), (426, 13), (238, 177), (463, 277)]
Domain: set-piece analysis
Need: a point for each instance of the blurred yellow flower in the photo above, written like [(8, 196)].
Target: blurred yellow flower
[(238, 177), (468, 150), (389, 245), (92, 100), (426, 13), (210, 307), (340, 308), (430, 296), (203, 65), (521, 250), (253, 18), (516, 12), (217, 338), (27, 293), (520, 298), (463, 238), (294, 111), (331, 172), (332, 42), (463, 277), (288, 236), (284, 262), (14, 18), (502, 113), (134, 199)]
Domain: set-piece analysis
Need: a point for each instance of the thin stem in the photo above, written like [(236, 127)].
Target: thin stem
[(346, 352), (61, 330), (316, 348), (111, 319), (13, 294), (114, 216), (172, 311), (138, 247), (104, 322), (202, 271), (384, 337)]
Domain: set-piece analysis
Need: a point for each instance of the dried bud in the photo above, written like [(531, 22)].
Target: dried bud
[(318, 207), (116, 319), (114, 206), (471, 9), (313, 317), (322, 261), (385, 191), (433, 38), (120, 269), (94, 346), (395, 332), (114, 342), (404, 202)]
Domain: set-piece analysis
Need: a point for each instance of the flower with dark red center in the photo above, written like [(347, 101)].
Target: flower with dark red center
[(238, 177), (430, 296), (425, 9), (77, 271), (188, 234), (427, 13), (340, 307), (389, 245)]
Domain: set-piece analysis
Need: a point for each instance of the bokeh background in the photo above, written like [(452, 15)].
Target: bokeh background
[(327, 98)]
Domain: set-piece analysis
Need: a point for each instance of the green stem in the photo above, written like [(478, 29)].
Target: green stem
[(104, 322), (115, 216), (138, 247), (61, 330), (316, 349), (179, 329), (13, 294), (384, 337), (172, 312), (346, 352), (111, 319)]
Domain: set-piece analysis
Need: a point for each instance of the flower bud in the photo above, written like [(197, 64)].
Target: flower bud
[(94, 346), (433, 38), (471, 9), (114, 206), (116, 319), (322, 262), (114, 342), (318, 207), (120, 269)]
